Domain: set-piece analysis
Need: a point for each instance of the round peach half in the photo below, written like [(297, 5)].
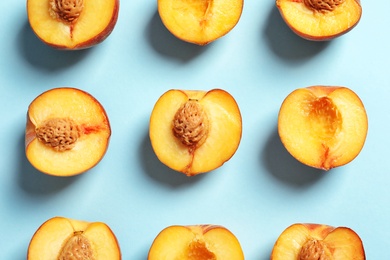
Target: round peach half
[(62, 238), (318, 241), (195, 131), (72, 24), (200, 22), (320, 20), (210, 242), (67, 132), (323, 127)]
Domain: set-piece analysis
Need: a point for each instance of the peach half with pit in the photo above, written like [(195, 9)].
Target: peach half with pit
[(200, 22), (63, 238), (195, 131), (323, 126), (320, 20), (72, 24), (196, 242), (67, 132), (303, 241)]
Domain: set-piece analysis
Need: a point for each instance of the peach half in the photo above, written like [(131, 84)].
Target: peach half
[(317, 241), (62, 238), (195, 131), (323, 126), (196, 242), (200, 22), (67, 132), (72, 24), (320, 20)]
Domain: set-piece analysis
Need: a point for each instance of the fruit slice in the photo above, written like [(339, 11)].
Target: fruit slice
[(323, 127), (317, 241), (200, 22), (62, 238), (195, 131), (67, 132), (72, 24), (196, 242), (320, 19)]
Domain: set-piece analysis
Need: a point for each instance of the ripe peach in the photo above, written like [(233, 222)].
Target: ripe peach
[(317, 241), (200, 22), (323, 127), (203, 242), (320, 20), (195, 131), (67, 132), (62, 238), (72, 24)]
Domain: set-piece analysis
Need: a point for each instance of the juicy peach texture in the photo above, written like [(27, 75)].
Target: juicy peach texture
[(320, 20), (89, 123), (317, 241), (323, 127), (221, 138), (60, 238), (196, 242), (72, 24), (200, 22)]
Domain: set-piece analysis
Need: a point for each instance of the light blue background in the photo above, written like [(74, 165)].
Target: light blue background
[(259, 192)]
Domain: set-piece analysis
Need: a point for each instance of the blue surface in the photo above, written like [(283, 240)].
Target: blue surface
[(259, 192)]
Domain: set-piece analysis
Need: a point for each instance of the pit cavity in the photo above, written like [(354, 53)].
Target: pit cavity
[(198, 250), (324, 117)]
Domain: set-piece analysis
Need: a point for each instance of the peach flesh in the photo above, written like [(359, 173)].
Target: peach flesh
[(61, 238), (200, 22), (323, 127), (219, 143), (320, 20), (90, 26), (306, 241), (72, 109), (196, 242)]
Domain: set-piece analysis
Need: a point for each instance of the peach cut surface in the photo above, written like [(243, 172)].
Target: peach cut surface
[(323, 127), (200, 22), (66, 239), (308, 241), (67, 132), (217, 137), (196, 242), (72, 24), (309, 18)]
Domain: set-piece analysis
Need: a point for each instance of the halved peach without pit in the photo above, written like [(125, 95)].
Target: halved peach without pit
[(195, 131), (323, 126), (320, 20), (63, 238), (303, 241), (72, 24), (67, 132), (200, 22), (196, 242)]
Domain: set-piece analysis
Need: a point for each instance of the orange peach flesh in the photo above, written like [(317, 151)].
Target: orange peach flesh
[(320, 25), (222, 140), (200, 242), (91, 119), (323, 127), (51, 236), (200, 22), (95, 23), (339, 243)]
